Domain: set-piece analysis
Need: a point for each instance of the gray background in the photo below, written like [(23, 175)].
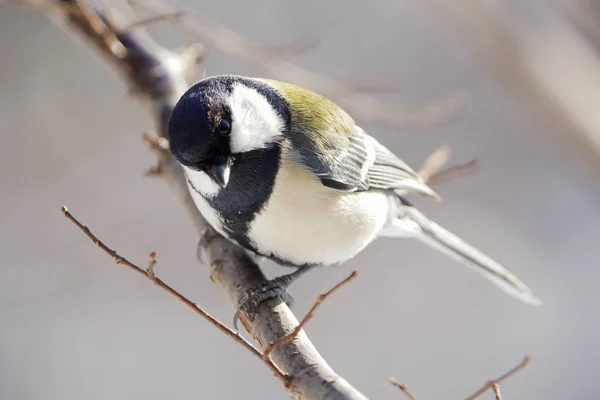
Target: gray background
[(73, 325)]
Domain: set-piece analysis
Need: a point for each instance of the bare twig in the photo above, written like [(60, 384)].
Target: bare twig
[(40, 5), (455, 171), (296, 47), (496, 390), (431, 168), (101, 29), (402, 387), (308, 316), (493, 385), (149, 273), (151, 265), (157, 143), (500, 379), (434, 162), (159, 19), (160, 145), (370, 86), (539, 64)]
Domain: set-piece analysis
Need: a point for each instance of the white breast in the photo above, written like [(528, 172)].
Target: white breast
[(202, 183), (306, 222)]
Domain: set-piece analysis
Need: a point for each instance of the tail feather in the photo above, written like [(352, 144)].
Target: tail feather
[(450, 244)]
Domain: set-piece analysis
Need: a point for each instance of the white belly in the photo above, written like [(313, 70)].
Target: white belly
[(306, 222)]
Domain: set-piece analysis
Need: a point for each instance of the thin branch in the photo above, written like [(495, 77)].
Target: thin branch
[(149, 273), (454, 172), (156, 143), (493, 385), (369, 86), (296, 47), (40, 5), (496, 390), (160, 146), (173, 17), (402, 387), (101, 29), (434, 162), (309, 315), (526, 361), (431, 168), (151, 265)]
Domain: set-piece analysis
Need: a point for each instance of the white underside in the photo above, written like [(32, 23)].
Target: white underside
[(212, 217), (306, 222)]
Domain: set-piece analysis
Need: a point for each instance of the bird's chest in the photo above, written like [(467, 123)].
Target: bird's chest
[(231, 209), (284, 212), (305, 222)]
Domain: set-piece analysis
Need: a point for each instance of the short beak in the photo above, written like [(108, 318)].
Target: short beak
[(220, 172)]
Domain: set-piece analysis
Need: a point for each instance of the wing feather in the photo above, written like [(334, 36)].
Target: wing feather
[(340, 153)]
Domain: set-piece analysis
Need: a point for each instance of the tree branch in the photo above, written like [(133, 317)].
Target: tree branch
[(158, 77)]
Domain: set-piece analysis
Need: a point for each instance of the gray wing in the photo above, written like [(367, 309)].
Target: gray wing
[(360, 163)]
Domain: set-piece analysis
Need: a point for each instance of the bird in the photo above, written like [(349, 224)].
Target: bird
[(287, 174)]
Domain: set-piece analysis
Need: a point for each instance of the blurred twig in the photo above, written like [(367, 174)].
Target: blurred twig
[(431, 169), (296, 47), (159, 19), (553, 70), (359, 105), (434, 162), (454, 172), (403, 388)]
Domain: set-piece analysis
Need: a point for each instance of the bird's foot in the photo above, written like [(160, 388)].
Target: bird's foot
[(267, 290)]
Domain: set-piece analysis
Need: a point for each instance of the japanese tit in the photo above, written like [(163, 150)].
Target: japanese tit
[(287, 174)]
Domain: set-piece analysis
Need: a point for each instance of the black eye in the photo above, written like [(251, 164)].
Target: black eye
[(224, 126)]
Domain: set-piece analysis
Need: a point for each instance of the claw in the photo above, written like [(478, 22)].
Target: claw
[(236, 318), (267, 290)]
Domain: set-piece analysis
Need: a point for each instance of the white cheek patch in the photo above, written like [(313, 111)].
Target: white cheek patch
[(201, 182), (255, 122)]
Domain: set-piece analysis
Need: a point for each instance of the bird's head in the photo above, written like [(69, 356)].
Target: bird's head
[(221, 118)]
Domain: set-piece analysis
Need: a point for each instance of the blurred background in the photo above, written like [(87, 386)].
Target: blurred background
[(73, 325)]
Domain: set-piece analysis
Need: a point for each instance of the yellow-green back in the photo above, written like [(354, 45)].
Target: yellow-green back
[(328, 123)]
